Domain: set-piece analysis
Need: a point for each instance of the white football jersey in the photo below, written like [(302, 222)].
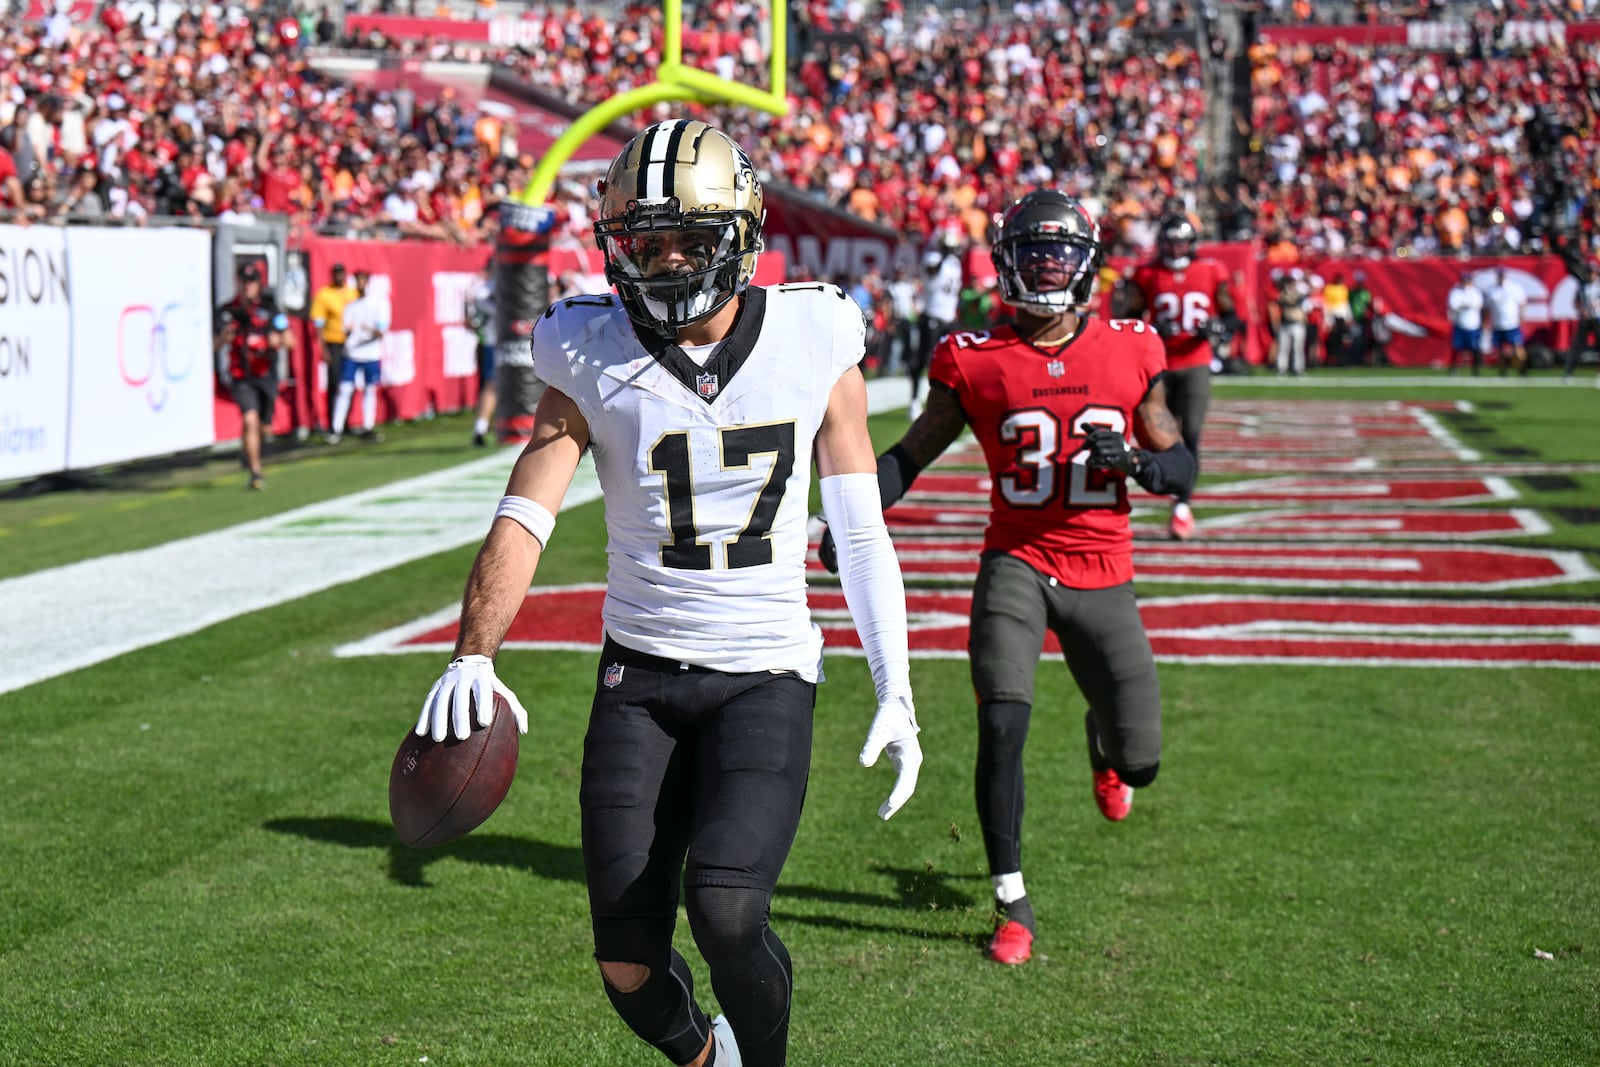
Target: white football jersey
[(365, 322), (1466, 307), (942, 299), (706, 471)]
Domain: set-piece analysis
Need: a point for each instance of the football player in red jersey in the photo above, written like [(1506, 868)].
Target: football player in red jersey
[(1052, 398), (1185, 298)]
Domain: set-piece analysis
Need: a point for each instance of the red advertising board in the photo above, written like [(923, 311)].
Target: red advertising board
[(1437, 35), (1413, 292), (429, 357), (412, 28)]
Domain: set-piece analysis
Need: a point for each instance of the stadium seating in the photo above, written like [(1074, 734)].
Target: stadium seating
[(1390, 151), (916, 116)]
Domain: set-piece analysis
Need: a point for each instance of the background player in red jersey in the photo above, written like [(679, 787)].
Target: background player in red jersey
[(1052, 399), (1185, 298)]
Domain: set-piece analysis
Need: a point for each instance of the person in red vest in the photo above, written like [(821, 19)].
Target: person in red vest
[(249, 338)]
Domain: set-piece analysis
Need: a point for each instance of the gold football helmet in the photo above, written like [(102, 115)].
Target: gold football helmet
[(679, 223)]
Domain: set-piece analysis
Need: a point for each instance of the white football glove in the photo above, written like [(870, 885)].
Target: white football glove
[(469, 680), (894, 730)]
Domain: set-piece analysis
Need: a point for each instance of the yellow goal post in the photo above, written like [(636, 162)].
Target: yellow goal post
[(673, 81)]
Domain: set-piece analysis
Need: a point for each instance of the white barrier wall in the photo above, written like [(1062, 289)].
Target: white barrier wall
[(142, 372), (105, 346), (35, 347)]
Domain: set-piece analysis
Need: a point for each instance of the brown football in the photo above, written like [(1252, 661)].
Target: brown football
[(442, 790)]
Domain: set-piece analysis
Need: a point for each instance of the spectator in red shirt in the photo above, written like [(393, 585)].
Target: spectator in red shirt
[(279, 179)]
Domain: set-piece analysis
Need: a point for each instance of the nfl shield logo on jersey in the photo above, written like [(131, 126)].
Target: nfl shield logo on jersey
[(706, 385), (1056, 368), (613, 676)]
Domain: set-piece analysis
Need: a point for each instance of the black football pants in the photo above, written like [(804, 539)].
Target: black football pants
[(1189, 400), (694, 774), (1103, 641)]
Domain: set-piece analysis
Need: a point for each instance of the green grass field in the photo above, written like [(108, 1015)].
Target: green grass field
[(1337, 865)]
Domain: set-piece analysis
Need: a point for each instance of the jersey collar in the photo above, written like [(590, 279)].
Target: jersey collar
[(708, 382)]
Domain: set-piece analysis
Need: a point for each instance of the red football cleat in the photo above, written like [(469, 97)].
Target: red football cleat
[(1012, 944), (1111, 795), (1182, 525)]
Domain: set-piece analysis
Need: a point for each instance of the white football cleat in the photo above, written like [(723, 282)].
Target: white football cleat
[(727, 1047)]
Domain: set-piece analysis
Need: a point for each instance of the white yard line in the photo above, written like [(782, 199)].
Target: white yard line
[(69, 617), (1437, 430), (1338, 379)]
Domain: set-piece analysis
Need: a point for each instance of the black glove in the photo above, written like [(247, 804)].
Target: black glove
[(827, 553), (1108, 450)]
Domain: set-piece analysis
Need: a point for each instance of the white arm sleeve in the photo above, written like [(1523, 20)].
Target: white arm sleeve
[(870, 574)]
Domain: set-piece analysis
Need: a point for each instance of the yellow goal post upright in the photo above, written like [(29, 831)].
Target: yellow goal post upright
[(521, 257), (673, 81)]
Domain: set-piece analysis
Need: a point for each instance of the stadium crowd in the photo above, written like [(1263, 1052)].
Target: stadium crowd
[(1360, 150), (216, 120), (934, 119), (919, 119)]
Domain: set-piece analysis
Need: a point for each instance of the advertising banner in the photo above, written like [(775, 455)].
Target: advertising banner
[(1440, 35), (815, 241), (35, 349), (418, 27), (1411, 295), (142, 375), (429, 355), (1343, 35)]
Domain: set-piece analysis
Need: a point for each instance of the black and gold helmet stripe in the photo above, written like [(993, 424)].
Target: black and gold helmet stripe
[(660, 152)]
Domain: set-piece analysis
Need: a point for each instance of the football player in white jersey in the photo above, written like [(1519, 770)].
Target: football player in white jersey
[(704, 401)]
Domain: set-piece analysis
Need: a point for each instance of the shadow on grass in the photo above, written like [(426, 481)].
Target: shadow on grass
[(917, 890), (408, 866)]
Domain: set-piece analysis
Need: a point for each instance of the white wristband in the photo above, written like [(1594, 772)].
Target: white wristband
[(530, 515)]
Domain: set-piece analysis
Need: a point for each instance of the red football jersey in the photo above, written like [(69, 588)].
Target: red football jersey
[(1031, 409), (1181, 300)]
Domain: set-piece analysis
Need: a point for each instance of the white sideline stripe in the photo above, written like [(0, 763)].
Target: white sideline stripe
[(80, 614)]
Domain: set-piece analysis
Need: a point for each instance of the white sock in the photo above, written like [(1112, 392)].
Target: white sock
[(480, 426), (369, 407), (1008, 887), (341, 405)]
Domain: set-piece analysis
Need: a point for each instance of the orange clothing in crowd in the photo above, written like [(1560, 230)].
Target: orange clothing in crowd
[(1453, 227), (1284, 251), (864, 203)]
